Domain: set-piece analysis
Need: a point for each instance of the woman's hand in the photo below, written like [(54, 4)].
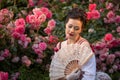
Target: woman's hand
[(74, 75)]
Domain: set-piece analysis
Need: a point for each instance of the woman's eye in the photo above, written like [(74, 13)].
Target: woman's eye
[(70, 26), (76, 28)]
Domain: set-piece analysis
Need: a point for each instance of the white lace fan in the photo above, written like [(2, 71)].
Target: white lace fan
[(68, 59)]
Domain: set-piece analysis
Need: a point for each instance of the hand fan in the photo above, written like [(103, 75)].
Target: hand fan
[(68, 59)]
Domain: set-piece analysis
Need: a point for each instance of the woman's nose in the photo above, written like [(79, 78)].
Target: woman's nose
[(72, 29)]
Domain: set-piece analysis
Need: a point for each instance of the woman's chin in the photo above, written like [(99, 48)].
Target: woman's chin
[(70, 37)]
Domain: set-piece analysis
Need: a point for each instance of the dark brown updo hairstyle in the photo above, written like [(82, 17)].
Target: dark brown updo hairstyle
[(77, 13)]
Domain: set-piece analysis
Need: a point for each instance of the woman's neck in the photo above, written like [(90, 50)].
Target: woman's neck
[(73, 41)]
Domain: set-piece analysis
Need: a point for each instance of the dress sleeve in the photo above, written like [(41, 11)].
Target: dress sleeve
[(89, 68)]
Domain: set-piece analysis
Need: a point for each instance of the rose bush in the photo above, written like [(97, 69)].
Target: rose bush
[(27, 44), (107, 53), (103, 33)]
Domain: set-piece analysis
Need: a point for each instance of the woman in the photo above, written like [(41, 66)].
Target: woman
[(75, 46)]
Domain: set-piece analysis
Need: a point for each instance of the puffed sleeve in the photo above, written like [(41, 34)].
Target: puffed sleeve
[(89, 68)]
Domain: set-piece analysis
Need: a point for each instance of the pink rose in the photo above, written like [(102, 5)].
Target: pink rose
[(100, 45), (117, 19), (6, 53), (53, 39), (89, 15), (30, 3), (20, 29), (95, 14), (20, 22), (47, 30), (16, 35), (108, 37), (110, 14), (37, 11), (51, 24), (32, 18), (49, 15), (92, 7), (42, 45), (36, 24), (42, 18), (26, 61), (4, 11), (46, 11), (110, 58), (27, 19), (3, 75), (23, 37), (38, 51), (103, 57), (109, 6), (114, 43)]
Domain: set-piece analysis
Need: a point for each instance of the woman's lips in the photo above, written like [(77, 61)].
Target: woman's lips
[(71, 34)]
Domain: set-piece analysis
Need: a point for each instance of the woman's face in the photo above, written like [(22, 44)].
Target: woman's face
[(73, 29)]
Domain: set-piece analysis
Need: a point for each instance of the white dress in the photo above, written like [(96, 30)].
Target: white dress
[(86, 60)]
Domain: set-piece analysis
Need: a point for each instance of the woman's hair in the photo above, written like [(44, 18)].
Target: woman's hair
[(77, 13)]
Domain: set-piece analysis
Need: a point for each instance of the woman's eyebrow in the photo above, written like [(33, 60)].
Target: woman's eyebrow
[(70, 24)]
